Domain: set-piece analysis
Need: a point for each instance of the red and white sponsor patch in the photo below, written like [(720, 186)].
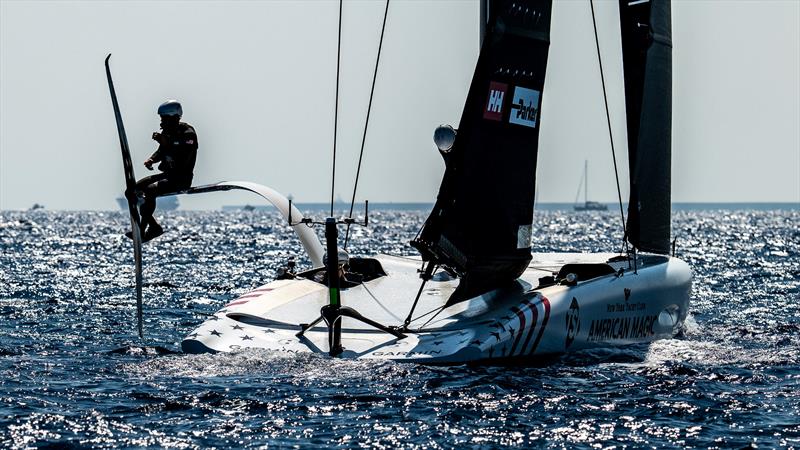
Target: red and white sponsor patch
[(494, 104)]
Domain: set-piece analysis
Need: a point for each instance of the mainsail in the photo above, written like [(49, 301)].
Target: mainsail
[(480, 226), (647, 62)]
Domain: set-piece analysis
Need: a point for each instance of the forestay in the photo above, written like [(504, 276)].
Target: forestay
[(480, 226)]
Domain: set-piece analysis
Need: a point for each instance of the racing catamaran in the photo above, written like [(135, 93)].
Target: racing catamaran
[(477, 294)]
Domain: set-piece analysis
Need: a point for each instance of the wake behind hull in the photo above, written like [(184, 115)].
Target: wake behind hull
[(525, 321)]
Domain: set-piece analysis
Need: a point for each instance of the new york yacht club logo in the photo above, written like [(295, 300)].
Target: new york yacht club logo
[(494, 104)]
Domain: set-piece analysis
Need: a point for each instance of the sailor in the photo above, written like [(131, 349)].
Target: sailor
[(346, 279), (176, 155)]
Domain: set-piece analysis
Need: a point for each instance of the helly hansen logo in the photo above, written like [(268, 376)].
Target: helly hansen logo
[(495, 101), (524, 107), (494, 104)]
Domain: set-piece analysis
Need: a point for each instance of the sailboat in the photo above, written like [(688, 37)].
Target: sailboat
[(477, 293), (587, 204)]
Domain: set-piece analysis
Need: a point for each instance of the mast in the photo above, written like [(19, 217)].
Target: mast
[(480, 226), (645, 27), (586, 179), (482, 18)]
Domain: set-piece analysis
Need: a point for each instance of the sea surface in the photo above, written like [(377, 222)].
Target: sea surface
[(73, 372)]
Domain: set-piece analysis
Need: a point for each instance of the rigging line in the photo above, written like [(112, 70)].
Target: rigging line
[(425, 277), (544, 269), (410, 258), (436, 310), (336, 110), (364, 285), (608, 121), (366, 122), (440, 309)]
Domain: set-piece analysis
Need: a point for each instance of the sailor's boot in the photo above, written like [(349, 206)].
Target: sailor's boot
[(153, 231), (142, 231)]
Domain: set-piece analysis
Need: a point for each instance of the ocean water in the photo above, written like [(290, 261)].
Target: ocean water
[(73, 372)]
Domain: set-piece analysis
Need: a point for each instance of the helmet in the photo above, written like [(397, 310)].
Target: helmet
[(342, 257), (170, 108)]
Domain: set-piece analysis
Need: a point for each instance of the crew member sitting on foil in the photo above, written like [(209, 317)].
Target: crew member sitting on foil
[(176, 155)]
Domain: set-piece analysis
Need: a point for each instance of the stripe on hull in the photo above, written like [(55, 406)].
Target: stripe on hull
[(521, 316), (546, 303), (527, 313), (534, 320)]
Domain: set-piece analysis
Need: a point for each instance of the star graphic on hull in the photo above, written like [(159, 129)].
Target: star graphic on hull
[(216, 333), (268, 331), (496, 335), (237, 327), (247, 338)]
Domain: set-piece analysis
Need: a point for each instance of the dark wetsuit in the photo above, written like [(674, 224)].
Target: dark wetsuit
[(176, 156)]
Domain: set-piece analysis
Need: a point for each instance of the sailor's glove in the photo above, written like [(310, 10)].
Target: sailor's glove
[(158, 137), (149, 164)]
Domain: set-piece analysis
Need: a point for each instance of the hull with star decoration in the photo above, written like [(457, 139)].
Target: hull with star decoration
[(562, 303)]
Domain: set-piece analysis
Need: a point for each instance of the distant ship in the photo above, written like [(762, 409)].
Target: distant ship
[(587, 205), (168, 203)]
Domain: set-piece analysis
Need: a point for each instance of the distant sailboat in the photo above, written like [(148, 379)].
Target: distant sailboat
[(587, 205)]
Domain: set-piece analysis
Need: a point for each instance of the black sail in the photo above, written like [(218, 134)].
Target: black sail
[(647, 62), (480, 226)]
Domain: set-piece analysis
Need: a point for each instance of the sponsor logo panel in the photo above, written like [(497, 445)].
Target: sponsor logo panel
[(494, 104), (524, 107), (524, 233), (621, 328), (573, 322)]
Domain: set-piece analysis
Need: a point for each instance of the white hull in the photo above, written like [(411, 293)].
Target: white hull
[(524, 322)]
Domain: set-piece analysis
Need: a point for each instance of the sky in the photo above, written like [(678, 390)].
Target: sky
[(257, 80)]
